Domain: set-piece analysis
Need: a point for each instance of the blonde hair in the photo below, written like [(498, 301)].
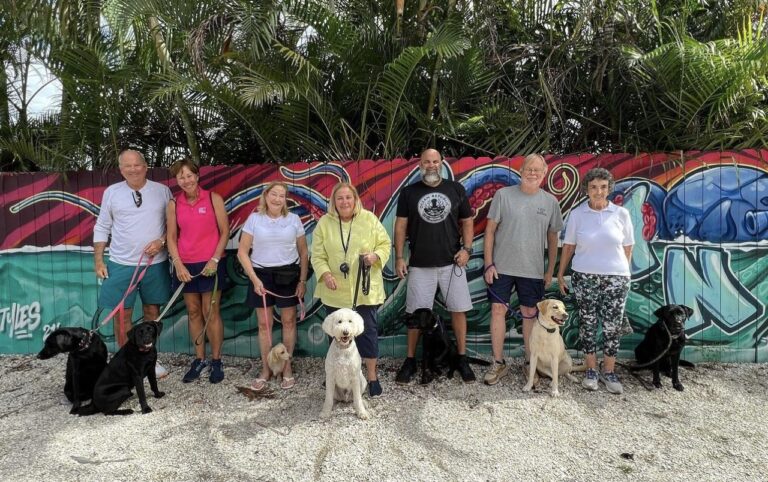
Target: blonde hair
[(332, 204), (263, 200)]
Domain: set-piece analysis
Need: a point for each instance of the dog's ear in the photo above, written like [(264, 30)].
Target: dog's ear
[(131, 335), (158, 328), (358, 326), (662, 311), (542, 305), (688, 311), (328, 323)]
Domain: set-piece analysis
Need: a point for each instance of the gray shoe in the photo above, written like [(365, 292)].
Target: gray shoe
[(495, 373), (590, 380), (612, 383)]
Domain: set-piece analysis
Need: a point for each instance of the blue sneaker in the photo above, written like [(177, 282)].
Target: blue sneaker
[(217, 371), (374, 388), (612, 383), (590, 380), (195, 370)]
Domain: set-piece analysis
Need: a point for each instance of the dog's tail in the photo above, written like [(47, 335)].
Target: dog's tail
[(478, 361), (579, 368), (125, 411), (686, 363), (86, 410)]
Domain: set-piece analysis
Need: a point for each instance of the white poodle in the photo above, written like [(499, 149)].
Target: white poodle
[(344, 380)]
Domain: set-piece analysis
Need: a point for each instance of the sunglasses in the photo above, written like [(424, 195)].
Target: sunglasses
[(137, 198)]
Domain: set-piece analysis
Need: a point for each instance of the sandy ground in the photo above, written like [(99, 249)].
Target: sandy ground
[(714, 430)]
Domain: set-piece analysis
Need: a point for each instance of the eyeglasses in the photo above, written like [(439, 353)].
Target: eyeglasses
[(533, 171), (137, 198)]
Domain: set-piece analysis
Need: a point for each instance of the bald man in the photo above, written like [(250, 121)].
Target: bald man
[(436, 217)]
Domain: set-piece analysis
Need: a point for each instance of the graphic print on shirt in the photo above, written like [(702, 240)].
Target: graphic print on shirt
[(434, 207)]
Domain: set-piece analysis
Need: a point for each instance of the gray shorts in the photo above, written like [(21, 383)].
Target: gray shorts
[(423, 284)]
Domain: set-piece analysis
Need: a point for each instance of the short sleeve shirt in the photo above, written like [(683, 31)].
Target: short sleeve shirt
[(434, 214)]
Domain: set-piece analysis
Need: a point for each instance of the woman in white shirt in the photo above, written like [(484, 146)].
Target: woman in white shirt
[(273, 253), (599, 236)]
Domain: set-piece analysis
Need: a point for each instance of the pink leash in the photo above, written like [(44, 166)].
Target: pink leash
[(132, 285), (269, 318)]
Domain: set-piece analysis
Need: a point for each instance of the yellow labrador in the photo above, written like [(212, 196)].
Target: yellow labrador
[(548, 354)]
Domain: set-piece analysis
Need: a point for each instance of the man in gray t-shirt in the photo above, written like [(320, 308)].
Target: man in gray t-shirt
[(523, 220)]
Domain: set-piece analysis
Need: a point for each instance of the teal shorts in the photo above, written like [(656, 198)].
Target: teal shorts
[(154, 287)]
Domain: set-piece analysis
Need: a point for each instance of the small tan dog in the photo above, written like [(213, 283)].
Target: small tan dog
[(277, 358), (548, 353)]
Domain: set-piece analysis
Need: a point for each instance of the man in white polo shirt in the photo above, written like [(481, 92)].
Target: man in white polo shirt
[(133, 215)]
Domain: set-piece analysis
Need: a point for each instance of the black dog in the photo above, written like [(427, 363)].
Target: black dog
[(85, 362), (671, 324), (439, 352), (127, 369)]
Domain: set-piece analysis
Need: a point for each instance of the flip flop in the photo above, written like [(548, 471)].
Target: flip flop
[(288, 383), (259, 384)]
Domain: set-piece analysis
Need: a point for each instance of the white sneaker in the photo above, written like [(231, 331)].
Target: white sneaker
[(160, 371), (612, 383)]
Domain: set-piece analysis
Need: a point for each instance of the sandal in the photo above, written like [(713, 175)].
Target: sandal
[(288, 383), (259, 384)]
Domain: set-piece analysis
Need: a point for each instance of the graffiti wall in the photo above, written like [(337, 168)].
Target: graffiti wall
[(701, 221)]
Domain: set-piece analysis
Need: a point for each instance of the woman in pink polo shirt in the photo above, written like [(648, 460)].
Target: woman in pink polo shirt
[(198, 231)]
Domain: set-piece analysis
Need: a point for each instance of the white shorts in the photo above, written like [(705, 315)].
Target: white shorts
[(423, 284)]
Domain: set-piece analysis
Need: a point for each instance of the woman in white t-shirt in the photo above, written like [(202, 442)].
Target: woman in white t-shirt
[(273, 253), (599, 236)]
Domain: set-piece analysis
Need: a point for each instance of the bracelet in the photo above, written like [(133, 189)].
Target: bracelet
[(399, 257), (215, 259), (492, 265), (302, 281)]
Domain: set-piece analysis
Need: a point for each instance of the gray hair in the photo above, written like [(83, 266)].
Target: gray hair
[(141, 156), (531, 158), (598, 173)]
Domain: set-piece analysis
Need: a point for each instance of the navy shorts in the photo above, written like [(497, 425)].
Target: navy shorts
[(265, 275), (201, 284), (529, 290), (368, 342)]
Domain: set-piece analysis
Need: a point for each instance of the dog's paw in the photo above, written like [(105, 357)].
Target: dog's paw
[(74, 410), (146, 410), (325, 414), (554, 393), (678, 386), (527, 388), (657, 383), (363, 415), (159, 394)]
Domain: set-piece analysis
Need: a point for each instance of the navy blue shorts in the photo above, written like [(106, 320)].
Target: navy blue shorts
[(368, 342), (529, 290), (265, 275), (201, 284)]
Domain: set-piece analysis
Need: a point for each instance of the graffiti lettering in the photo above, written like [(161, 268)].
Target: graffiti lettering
[(705, 282), (20, 320)]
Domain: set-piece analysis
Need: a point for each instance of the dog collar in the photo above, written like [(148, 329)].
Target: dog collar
[(549, 330), (85, 342)]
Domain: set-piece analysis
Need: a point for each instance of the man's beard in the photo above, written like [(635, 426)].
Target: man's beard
[(430, 178)]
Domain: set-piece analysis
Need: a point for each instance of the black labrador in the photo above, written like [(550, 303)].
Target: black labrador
[(127, 369), (86, 359), (668, 331), (439, 352)]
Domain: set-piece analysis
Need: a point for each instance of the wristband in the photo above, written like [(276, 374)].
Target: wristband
[(492, 265), (215, 259)]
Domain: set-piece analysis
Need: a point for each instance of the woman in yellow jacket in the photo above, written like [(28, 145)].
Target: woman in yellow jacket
[(343, 238)]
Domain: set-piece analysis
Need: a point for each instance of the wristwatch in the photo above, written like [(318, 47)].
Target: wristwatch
[(468, 250)]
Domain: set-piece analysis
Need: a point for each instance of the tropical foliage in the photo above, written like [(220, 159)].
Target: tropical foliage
[(244, 81)]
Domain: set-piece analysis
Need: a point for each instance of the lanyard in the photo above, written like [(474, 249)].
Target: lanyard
[(345, 246)]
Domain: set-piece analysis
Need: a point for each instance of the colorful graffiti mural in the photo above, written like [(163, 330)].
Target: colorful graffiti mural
[(701, 221)]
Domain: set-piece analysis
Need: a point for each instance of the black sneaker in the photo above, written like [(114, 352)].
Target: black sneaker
[(406, 372), (466, 372), (374, 388)]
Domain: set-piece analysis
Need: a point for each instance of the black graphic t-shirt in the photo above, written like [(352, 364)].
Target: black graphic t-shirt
[(434, 232)]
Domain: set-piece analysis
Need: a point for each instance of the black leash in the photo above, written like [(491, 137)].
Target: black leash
[(661, 355), (363, 278)]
